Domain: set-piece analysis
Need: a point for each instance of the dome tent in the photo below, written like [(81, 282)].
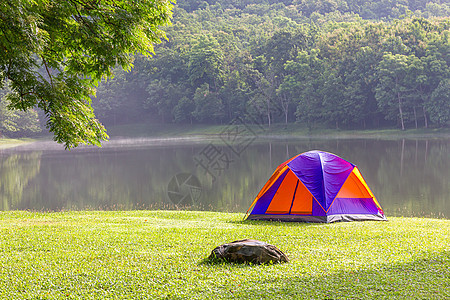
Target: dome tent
[(316, 186)]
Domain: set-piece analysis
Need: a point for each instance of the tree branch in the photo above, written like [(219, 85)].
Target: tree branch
[(48, 72)]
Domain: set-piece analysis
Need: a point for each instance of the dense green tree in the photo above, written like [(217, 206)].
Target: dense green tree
[(394, 87), (439, 104), (433, 9), (359, 87), (206, 62), (208, 107), (304, 83), (239, 84), (54, 53), (253, 77), (309, 7), (14, 122), (267, 62), (183, 112), (280, 48), (334, 108), (435, 70), (164, 96), (111, 97)]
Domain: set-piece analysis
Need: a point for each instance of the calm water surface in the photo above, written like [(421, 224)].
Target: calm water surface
[(408, 177)]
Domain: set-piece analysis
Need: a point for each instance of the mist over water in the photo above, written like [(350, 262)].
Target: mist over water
[(408, 177)]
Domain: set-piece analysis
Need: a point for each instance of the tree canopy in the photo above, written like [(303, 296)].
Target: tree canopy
[(54, 53), (334, 63), (272, 62)]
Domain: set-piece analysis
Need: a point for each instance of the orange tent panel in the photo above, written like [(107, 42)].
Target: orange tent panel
[(353, 188), (359, 176), (278, 172), (282, 200), (303, 201)]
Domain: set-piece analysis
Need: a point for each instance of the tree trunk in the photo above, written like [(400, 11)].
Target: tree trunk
[(286, 116), (415, 115), (425, 117), (400, 110), (285, 105)]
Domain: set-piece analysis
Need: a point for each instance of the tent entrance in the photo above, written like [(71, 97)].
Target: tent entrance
[(292, 197)]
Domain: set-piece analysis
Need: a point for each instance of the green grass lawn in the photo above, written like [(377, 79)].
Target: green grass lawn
[(161, 254)]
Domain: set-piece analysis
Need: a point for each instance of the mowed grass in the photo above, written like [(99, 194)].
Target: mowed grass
[(162, 254)]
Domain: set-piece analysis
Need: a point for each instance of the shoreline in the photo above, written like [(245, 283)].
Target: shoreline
[(6, 143), (277, 131), (171, 132)]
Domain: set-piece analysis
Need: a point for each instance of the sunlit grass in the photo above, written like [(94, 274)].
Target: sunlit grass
[(161, 254)]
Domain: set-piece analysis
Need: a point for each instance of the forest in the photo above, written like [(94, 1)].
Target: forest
[(334, 63)]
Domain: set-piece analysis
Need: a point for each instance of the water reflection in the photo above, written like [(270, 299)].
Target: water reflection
[(409, 177), (16, 172)]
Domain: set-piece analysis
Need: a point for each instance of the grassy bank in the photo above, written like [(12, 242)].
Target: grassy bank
[(161, 254), (275, 131), (9, 143)]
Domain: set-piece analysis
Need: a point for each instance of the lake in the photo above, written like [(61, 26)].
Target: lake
[(408, 177)]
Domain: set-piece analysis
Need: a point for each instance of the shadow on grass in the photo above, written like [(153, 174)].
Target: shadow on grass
[(425, 278), (226, 264), (214, 262), (277, 223)]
